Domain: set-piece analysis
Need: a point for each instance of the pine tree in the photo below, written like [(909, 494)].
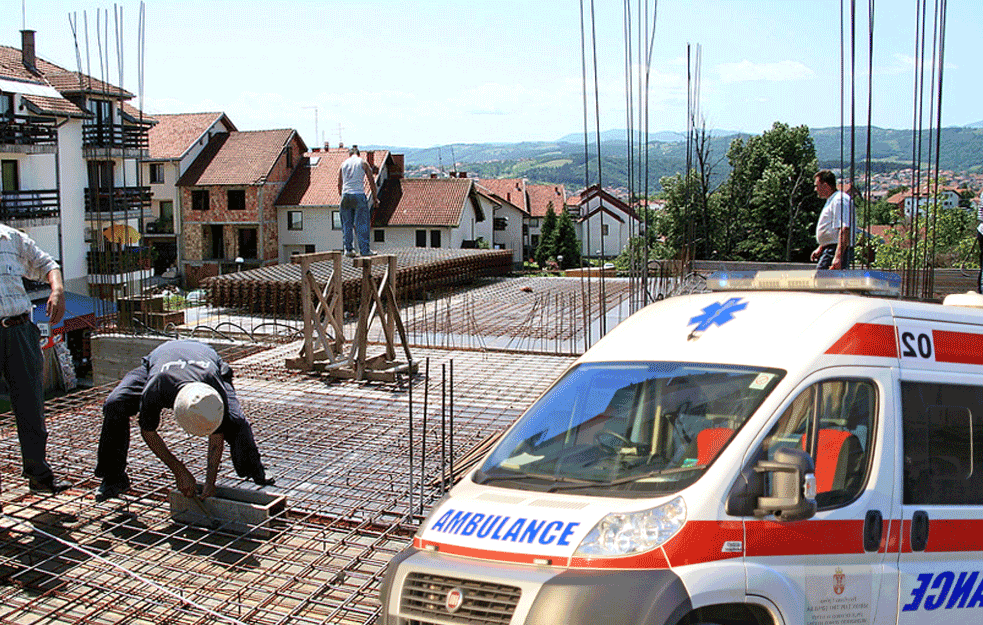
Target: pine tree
[(545, 251), (566, 243)]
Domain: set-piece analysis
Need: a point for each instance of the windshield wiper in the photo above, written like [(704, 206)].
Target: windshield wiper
[(484, 478)]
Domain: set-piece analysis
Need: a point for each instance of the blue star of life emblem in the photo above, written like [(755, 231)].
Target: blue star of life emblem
[(717, 313)]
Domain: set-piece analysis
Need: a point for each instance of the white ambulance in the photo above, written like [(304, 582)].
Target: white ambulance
[(759, 456)]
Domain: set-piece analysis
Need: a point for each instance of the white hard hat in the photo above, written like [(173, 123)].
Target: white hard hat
[(198, 408)]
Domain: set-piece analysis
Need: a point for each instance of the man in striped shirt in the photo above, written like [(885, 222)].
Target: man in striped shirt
[(20, 348)]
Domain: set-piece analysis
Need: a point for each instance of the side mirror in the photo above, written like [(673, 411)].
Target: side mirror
[(793, 486)]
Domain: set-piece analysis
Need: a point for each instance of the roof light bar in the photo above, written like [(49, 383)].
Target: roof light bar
[(820, 280)]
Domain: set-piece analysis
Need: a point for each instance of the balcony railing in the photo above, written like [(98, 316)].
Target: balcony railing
[(108, 262), (118, 201), (35, 204), (25, 130), (121, 136)]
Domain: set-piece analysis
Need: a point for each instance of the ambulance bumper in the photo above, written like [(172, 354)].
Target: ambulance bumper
[(417, 583)]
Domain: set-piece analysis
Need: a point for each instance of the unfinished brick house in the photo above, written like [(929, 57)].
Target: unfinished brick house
[(228, 201)]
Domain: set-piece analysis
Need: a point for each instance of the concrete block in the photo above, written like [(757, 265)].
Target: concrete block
[(233, 509)]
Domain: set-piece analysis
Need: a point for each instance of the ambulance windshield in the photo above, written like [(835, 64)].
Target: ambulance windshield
[(628, 429)]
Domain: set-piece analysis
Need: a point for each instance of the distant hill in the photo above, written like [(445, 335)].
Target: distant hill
[(562, 161), (978, 124)]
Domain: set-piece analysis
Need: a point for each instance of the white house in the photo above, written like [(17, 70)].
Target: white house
[(606, 223), (308, 208)]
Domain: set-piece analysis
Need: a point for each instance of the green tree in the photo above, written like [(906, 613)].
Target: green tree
[(567, 244), (771, 203), (950, 240), (546, 249)]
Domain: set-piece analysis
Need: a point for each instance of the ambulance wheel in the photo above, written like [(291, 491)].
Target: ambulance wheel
[(612, 441)]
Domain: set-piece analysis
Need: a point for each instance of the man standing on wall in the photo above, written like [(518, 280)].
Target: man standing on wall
[(834, 231), (354, 205), (20, 343)]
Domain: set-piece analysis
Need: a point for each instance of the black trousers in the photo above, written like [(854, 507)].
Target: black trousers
[(23, 370)]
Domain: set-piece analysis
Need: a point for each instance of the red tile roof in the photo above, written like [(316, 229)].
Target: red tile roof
[(174, 135), (541, 196), (317, 185), (12, 68), (44, 105), (427, 202), (512, 190), (240, 158)]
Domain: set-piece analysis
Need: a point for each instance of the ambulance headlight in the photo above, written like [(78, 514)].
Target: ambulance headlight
[(629, 533)]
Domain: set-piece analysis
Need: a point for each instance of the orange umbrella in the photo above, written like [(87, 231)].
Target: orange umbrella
[(122, 233)]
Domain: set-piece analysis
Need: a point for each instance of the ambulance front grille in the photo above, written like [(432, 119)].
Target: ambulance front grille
[(485, 603)]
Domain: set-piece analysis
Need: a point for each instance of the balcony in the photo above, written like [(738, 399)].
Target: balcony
[(21, 133), (107, 203), (34, 206), (116, 139)]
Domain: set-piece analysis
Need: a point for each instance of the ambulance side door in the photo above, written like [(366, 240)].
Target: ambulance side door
[(829, 569), (941, 543)]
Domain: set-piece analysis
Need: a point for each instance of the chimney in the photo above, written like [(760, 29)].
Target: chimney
[(433, 176), (27, 50), (327, 146)]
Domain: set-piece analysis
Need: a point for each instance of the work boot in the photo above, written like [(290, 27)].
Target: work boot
[(51, 485), (112, 487), (350, 254)]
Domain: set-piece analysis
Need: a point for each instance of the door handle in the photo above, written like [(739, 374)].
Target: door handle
[(919, 530), (873, 530)]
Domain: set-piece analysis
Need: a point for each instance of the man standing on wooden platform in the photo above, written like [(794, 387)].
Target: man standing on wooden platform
[(354, 205)]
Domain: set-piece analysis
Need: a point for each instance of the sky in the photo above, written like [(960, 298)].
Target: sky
[(421, 73)]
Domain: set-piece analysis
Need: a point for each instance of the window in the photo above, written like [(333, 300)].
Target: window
[(295, 220), (435, 238), (943, 443), (199, 201), (215, 240), (534, 222), (336, 220), (833, 420), (6, 105), (248, 247), (534, 240), (156, 173), (11, 181), (501, 223), (379, 236), (604, 230), (237, 199), (290, 158), (309, 248), (421, 238)]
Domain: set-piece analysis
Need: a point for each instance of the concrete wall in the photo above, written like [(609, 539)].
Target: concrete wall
[(114, 355)]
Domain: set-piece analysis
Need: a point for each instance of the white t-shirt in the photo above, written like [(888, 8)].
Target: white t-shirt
[(352, 175), (836, 214)]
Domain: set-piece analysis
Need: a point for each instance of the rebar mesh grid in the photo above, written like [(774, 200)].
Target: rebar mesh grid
[(340, 453)]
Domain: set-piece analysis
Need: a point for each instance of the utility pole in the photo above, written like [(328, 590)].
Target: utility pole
[(316, 140)]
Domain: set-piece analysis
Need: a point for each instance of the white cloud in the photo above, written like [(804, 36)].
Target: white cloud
[(781, 71)]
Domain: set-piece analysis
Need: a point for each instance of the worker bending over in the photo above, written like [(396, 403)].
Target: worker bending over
[(193, 380)]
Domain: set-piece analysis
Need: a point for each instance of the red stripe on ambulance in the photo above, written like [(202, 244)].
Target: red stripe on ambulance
[(867, 339), (958, 347)]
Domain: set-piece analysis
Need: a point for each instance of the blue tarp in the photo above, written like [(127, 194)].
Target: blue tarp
[(80, 312)]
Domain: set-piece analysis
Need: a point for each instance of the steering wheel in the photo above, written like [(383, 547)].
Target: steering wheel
[(612, 441)]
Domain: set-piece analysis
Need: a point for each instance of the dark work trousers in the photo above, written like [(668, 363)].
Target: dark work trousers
[(979, 244), (23, 370), (124, 402)]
